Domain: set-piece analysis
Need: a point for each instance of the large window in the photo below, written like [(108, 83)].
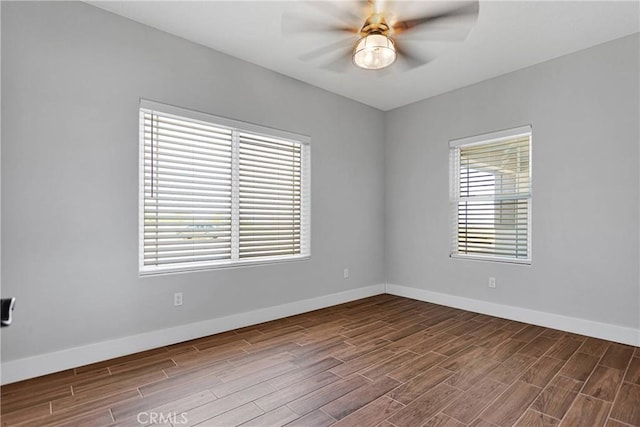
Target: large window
[(491, 196), (217, 192)]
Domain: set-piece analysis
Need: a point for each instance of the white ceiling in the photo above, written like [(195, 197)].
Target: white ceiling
[(508, 35)]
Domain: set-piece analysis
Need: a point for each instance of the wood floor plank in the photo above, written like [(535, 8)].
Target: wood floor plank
[(371, 414), (208, 356), (564, 348), (541, 372), (362, 362), (220, 406), (442, 420), (603, 383), (466, 328), (176, 407), (85, 403), (506, 410), (275, 418), (408, 330), (475, 370), (316, 418), (266, 363), (395, 362), (586, 411), (277, 332), (461, 361), (633, 372), (248, 380), (579, 366), (479, 422), (424, 407), (613, 423), (627, 405), (233, 417), (355, 399), (377, 333), (324, 348), (528, 333), (27, 414), (303, 372), (469, 405), (557, 397), (617, 356), (537, 347), (254, 354), (56, 379), (426, 345), (419, 385), (453, 347), (326, 394), (87, 393), (100, 418), (119, 360), (594, 346), (199, 378), (17, 401), (404, 344), (512, 368), (559, 335), (446, 325), (493, 339), (512, 325), (484, 331), (49, 382), (296, 390), (536, 419), (162, 358), (419, 365)]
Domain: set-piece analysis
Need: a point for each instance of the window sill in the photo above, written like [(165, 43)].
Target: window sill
[(491, 258), (222, 265)]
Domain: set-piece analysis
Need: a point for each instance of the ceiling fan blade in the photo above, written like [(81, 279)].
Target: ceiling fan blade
[(297, 24), (341, 12), (340, 64), (469, 9), (325, 50), (408, 60), (437, 34)]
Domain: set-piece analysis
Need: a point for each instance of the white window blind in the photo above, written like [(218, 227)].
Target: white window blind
[(491, 196), (216, 192), (270, 197)]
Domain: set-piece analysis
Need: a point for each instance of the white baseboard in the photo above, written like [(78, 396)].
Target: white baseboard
[(590, 328), (30, 367)]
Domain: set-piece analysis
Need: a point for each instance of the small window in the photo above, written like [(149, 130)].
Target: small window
[(216, 192), (491, 196)]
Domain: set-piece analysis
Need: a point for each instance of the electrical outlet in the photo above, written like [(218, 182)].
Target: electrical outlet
[(177, 299), (345, 273), (492, 282)]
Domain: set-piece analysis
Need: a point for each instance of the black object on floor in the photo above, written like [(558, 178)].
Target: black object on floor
[(7, 305)]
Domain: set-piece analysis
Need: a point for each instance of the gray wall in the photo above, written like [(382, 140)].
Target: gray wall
[(584, 109), (72, 76)]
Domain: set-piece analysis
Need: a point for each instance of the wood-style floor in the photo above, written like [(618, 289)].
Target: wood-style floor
[(381, 361)]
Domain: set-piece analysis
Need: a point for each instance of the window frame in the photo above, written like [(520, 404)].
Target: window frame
[(454, 190), (236, 127)]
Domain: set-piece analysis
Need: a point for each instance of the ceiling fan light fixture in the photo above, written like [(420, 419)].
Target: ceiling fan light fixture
[(374, 52)]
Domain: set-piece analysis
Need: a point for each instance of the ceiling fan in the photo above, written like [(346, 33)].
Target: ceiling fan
[(377, 35)]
